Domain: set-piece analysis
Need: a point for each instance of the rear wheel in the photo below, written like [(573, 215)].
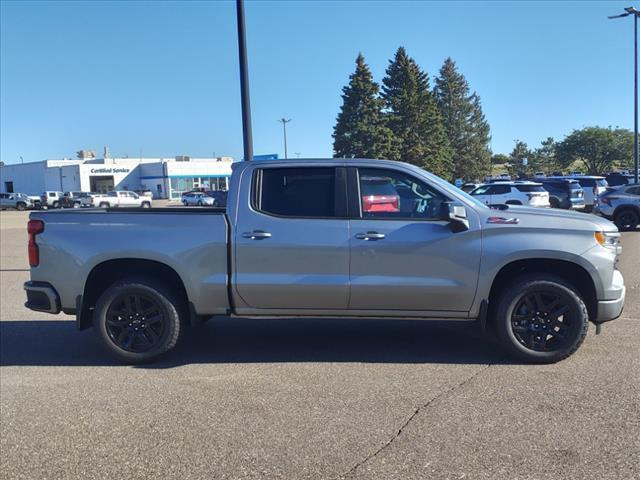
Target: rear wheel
[(103, 205), (541, 319), (138, 320), (55, 204), (21, 206), (554, 203), (146, 205), (76, 205), (626, 219)]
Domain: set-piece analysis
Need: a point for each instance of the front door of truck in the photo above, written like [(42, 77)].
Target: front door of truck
[(403, 258), (291, 239)]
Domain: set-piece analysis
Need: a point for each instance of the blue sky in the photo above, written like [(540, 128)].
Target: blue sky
[(161, 78)]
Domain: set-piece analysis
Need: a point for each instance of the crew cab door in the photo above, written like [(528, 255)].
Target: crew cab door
[(291, 239), (403, 258)]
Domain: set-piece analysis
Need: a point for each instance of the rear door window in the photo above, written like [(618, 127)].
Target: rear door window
[(530, 188), (296, 192)]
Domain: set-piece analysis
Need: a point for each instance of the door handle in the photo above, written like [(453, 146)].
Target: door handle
[(370, 236), (256, 235)]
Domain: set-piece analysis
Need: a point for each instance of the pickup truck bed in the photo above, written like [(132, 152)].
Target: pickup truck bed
[(190, 241)]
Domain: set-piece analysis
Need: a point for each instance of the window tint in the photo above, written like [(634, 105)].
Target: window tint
[(500, 189), (392, 194), (530, 188), (602, 182), (296, 192), (587, 182)]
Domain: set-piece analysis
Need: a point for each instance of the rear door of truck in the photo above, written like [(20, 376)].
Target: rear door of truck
[(291, 238)]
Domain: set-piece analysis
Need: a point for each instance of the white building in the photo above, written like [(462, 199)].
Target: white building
[(165, 177)]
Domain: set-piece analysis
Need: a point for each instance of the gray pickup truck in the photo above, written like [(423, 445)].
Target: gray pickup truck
[(333, 238)]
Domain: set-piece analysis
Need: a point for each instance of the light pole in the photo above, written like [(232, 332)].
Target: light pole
[(247, 139), (636, 14), (284, 122)]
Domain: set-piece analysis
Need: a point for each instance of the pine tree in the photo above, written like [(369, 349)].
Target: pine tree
[(465, 124), (413, 117), (360, 130)]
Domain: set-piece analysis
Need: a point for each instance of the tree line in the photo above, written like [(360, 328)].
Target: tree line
[(443, 128), (592, 150)]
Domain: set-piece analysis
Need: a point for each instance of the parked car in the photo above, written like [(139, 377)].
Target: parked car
[(219, 197), (622, 205), (379, 195), (51, 199), (512, 193), (197, 198), (467, 187), (123, 198), (18, 201), (295, 241), (615, 179), (593, 187), (563, 193), (36, 200), (145, 192), (73, 199), (91, 199), (539, 175)]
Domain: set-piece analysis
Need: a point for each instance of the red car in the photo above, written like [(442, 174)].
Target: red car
[(378, 195)]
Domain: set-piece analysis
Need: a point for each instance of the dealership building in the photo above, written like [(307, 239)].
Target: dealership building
[(165, 177)]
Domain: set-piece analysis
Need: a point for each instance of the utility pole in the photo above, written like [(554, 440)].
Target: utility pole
[(636, 14), (247, 138), (284, 122)]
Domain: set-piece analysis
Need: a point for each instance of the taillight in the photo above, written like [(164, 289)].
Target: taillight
[(34, 227)]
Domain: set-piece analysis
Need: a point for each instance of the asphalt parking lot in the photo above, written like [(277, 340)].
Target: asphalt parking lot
[(301, 399)]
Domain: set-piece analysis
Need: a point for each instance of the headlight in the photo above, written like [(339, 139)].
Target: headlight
[(608, 239)]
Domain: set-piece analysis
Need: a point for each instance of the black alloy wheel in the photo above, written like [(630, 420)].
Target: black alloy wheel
[(135, 322), (539, 318), (541, 321), (627, 219)]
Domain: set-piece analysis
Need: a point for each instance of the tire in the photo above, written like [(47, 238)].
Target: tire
[(75, 205), (626, 219), (103, 205), (21, 206), (145, 205), (122, 326), (184, 202), (55, 204), (554, 202), (540, 319)]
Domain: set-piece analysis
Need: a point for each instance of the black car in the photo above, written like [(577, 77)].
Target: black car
[(219, 197), (615, 179), (563, 192)]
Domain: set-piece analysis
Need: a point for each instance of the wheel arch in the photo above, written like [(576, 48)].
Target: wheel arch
[(108, 272), (569, 271)]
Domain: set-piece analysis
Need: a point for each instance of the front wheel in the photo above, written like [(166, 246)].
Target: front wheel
[(56, 204), (541, 319), (103, 205), (138, 320), (146, 205), (21, 206)]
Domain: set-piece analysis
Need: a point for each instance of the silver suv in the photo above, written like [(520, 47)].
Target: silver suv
[(622, 205), (19, 201)]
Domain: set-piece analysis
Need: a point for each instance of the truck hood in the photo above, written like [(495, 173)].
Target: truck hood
[(554, 218)]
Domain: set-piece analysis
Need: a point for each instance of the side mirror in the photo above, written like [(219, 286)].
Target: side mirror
[(456, 215)]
